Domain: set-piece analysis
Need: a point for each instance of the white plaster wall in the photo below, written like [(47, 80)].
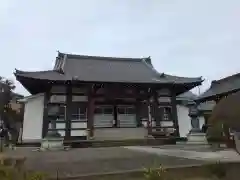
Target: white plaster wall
[(33, 119), (166, 123), (77, 132), (201, 121), (184, 120)]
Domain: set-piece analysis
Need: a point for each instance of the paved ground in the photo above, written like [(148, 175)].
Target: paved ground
[(96, 160), (190, 152)]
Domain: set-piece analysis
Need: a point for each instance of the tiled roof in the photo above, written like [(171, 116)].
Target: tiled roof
[(220, 87), (106, 69), (187, 96), (206, 106)]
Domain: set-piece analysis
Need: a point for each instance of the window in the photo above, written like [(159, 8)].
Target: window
[(126, 116), (58, 89), (126, 110), (58, 99), (103, 116), (79, 98), (77, 90), (57, 112), (104, 110), (79, 113), (166, 116), (98, 110), (121, 110), (130, 110), (108, 110), (83, 112), (62, 113)]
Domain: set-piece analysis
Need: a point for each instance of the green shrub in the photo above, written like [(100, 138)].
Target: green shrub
[(155, 174), (214, 133)]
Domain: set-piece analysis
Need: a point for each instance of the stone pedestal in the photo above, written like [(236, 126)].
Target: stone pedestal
[(89, 137), (52, 144), (52, 141), (196, 138)]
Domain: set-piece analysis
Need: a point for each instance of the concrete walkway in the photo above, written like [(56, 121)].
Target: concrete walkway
[(224, 155)]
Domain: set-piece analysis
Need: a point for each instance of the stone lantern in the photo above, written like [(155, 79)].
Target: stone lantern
[(53, 140), (195, 135)]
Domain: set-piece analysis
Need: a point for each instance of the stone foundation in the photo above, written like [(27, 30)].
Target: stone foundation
[(196, 138), (52, 144)]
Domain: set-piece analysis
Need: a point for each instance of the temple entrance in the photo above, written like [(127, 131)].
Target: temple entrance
[(126, 115), (103, 116)]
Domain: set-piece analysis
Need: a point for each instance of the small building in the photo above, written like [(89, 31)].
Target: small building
[(221, 88), (91, 97)]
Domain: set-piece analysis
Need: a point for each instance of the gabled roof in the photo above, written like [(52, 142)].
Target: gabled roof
[(206, 106), (187, 96), (221, 87), (106, 69), (27, 98)]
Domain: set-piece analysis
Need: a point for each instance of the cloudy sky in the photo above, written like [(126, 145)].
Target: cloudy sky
[(183, 37)]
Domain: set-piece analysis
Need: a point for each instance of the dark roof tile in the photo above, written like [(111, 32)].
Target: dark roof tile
[(221, 87), (106, 69), (187, 96)]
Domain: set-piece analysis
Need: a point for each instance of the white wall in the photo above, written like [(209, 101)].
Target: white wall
[(76, 132), (33, 119), (201, 121), (184, 121)]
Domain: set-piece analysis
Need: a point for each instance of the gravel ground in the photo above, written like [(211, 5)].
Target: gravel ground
[(94, 160)]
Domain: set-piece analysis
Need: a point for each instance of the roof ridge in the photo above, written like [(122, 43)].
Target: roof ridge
[(162, 75), (225, 78), (150, 66), (19, 71), (77, 56)]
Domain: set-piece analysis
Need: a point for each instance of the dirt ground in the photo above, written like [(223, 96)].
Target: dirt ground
[(94, 160)]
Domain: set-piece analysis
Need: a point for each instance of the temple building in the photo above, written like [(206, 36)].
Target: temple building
[(91, 97), (221, 88)]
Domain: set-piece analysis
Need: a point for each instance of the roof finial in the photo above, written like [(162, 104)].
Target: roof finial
[(148, 60), (162, 75)]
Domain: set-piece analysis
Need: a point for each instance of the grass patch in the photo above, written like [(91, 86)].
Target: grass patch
[(12, 168), (214, 171)]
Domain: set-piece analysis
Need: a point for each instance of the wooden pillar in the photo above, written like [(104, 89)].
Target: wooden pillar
[(90, 112), (149, 122), (68, 112), (174, 113), (138, 109), (157, 110), (45, 114), (115, 114)]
